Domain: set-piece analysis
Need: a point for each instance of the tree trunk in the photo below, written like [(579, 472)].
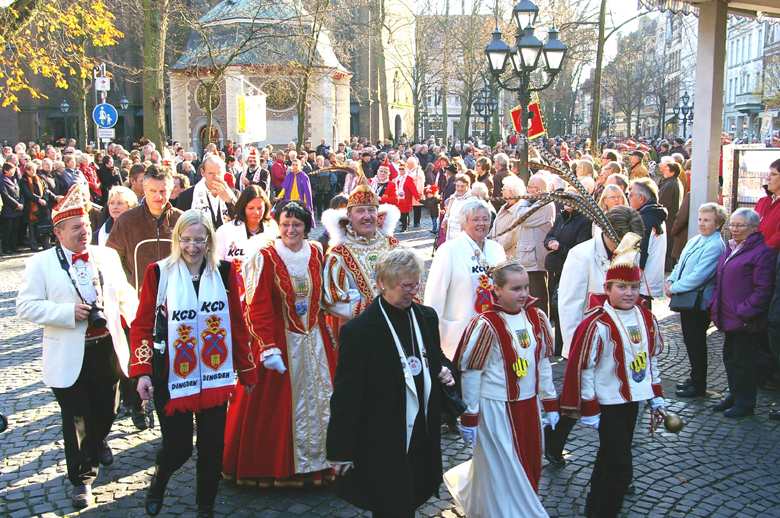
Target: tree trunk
[(82, 117), (155, 30), (382, 72), (595, 109), (303, 102)]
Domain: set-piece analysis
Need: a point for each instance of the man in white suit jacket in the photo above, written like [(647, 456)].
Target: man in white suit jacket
[(81, 361)]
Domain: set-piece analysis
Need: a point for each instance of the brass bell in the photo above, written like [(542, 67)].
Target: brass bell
[(673, 423)]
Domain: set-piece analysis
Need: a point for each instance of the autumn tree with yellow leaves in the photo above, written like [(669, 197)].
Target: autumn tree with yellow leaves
[(53, 40)]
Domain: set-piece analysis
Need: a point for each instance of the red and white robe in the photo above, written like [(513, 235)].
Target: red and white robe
[(502, 478), (276, 435), (603, 368)]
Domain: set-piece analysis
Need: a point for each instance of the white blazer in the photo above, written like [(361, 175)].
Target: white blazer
[(449, 288), (47, 297)]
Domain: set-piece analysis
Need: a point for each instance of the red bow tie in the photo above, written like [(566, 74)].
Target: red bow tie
[(84, 257)]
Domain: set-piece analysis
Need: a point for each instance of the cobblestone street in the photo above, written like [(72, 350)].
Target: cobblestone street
[(715, 467)]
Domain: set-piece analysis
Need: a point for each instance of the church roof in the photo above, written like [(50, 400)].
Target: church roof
[(271, 33)]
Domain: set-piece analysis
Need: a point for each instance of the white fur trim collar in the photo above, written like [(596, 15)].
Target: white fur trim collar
[(297, 263)]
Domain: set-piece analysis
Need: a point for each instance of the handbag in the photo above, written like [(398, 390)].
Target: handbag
[(451, 401), (45, 227), (688, 300), (160, 333)]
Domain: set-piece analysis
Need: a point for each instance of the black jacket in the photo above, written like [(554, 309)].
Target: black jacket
[(653, 216), (570, 229), (368, 414), (109, 177)]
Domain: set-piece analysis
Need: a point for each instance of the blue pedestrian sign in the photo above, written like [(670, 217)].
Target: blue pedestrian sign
[(104, 115)]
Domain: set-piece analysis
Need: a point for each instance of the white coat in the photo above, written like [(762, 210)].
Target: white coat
[(450, 286), (47, 297)]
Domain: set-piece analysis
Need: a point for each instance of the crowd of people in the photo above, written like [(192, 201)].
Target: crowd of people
[(188, 284)]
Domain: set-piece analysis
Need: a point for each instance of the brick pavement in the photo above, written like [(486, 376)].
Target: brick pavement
[(714, 467)]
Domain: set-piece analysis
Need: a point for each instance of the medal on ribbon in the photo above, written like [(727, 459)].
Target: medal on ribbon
[(634, 334), (301, 287), (639, 367), (415, 365), (520, 367), (301, 307)]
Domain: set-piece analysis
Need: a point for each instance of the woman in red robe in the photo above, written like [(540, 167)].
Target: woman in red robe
[(276, 435)]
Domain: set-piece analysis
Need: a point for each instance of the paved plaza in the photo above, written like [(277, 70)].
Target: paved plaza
[(715, 467)]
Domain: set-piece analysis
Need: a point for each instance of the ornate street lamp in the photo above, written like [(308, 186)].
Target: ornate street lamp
[(686, 110), (577, 121), (125, 104), (423, 122), (485, 105), (524, 56), (65, 108)]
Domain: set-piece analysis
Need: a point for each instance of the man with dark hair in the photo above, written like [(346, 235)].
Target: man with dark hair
[(608, 156), (617, 178), (135, 180)]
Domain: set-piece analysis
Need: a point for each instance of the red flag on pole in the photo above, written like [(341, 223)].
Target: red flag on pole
[(535, 124)]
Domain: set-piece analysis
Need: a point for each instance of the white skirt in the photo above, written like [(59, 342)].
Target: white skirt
[(493, 484)]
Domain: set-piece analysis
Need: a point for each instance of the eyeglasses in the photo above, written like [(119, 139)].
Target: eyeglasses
[(411, 287), (196, 242), (480, 220), (737, 226)]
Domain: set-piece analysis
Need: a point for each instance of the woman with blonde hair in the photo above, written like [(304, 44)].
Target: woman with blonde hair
[(119, 200), (611, 197), (194, 334)]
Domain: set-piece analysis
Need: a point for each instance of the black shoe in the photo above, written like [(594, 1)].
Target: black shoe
[(774, 415), (434, 232), (555, 461), (684, 385), (105, 456), (738, 412), (156, 493), (139, 420), (724, 405), (690, 392), (205, 511), (631, 489), (772, 384), (82, 496)]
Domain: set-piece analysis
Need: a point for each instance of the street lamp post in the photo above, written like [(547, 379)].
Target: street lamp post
[(609, 120), (577, 121), (524, 56), (485, 105), (561, 120), (686, 110), (423, 121), (65, 108), (125, 104)]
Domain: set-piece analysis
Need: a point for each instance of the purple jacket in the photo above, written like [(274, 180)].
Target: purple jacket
[(744, 286)]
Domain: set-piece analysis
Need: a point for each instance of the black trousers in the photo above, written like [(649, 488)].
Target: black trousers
[(740, 353), (321, 203), (404, 221), (694, 329), (36, 239), (10, 233), (177, 443), (614, 468), (773, 334), (88, 409), (417, 215)]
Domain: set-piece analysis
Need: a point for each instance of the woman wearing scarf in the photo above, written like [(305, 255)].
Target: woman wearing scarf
[(504, 357), (203, 347), (451, 222), (276, 435), (384, 435), (90, 173), (120, 200), (36, 198)]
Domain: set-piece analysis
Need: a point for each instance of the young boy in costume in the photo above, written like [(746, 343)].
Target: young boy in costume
[(612, 367)]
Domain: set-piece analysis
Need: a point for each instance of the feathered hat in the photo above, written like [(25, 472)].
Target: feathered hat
[(363, 195), (254, 154), (624, 267), (70, 206)]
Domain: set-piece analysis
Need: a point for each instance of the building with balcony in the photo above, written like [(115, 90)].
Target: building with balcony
[(742, 98)]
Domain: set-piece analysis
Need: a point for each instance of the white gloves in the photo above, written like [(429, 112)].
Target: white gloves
[(354, 295), (275, 363), (591, 420), (553, 418), (658, 405), (469, 434)]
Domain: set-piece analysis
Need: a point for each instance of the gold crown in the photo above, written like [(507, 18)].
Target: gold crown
[(184, 331), (213, 322)]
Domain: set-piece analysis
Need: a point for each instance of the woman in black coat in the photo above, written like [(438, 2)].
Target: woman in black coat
[(384, 432), (570, 229), (109, 176)]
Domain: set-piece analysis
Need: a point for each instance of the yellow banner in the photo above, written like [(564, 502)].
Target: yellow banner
[(241, 113)]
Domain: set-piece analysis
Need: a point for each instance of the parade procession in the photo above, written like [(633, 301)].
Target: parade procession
[(294, 274)]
